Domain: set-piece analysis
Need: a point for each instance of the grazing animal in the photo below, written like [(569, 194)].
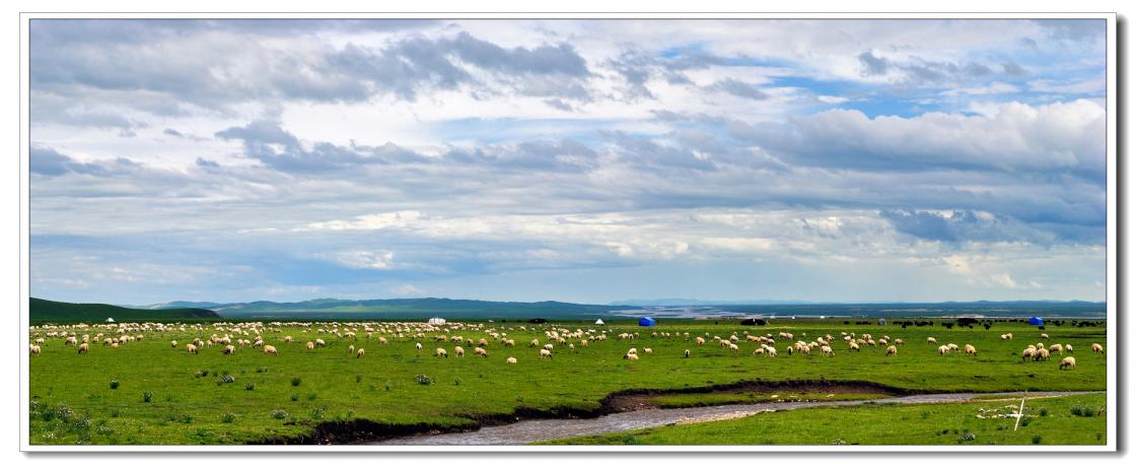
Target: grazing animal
[(648, 351), (931, 341), (173, 343), (891, 351), (827, 351), (481, 352), (269, 349), (35, 349), (1041, 355), (311, 345), (510, 360), (192, 348), (418, 346), (1068, 363), (700, 341), (1045, 336), (1068, 347), (229, 349), (970, 350), (1056, 348), (944, 349), (1029, 353), (545, 353), (320, 342), (83, 348), (631, 357), (686, 353), (360, 353), (1097, 348), (459, 351), (287, 339), (441, 353)]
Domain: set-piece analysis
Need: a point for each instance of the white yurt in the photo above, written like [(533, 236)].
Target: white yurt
[(436, 321), (110, 319), (599, 322)]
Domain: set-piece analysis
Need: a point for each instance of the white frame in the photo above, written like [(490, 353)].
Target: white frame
[(1111, 241)]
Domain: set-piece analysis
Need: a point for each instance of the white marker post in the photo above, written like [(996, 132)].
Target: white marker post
[(1021, 409)]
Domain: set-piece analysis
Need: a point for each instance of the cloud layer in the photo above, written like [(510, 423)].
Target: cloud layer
[(577, 160)]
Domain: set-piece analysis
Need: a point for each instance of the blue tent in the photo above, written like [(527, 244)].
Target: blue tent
[(646, 321), (1036, 321)]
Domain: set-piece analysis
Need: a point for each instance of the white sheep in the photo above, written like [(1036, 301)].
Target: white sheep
[(510, 360), (360, 353), (891, 351), (269, 349), (459, 351), (545, 353), (311, 345), (35, 349), (931, 341), (1097, 348), (440, 352), (944, 349), (479, 351), (229, 349), (191, 348), (1068, 363), (970, 350), (1029, 353), (647, 351), (826, 350), (686, 353), (631, 357), (418, 346)]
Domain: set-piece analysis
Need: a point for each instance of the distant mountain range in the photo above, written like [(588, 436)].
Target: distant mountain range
[(421, 308)]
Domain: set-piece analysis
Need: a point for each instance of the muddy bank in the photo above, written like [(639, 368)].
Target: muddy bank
[(359, 431)]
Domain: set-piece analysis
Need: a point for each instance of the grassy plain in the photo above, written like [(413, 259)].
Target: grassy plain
[(146, 392)]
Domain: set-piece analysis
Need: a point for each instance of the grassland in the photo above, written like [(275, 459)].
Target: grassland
[(146, 392), (1071, 420)]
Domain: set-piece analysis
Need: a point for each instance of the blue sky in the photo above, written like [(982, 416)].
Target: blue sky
[(588, 161)]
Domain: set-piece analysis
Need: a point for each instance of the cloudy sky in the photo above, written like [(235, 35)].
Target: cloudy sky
[(587, 161)]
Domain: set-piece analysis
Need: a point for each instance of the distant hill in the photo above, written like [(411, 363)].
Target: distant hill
[(413, 308), (42, 311)]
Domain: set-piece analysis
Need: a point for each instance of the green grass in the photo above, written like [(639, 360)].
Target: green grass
[(1063, 422), (190, 403)]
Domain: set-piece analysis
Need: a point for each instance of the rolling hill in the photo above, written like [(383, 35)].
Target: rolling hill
[(41, 311)]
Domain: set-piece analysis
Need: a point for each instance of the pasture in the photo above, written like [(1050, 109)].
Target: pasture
[(149, 392)]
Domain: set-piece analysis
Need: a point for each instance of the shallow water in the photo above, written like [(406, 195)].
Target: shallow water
[(528, 431)]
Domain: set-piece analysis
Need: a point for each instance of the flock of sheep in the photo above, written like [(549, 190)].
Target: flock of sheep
[(233, 336)]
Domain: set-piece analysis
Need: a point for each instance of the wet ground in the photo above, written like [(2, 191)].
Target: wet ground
[(528, 431)]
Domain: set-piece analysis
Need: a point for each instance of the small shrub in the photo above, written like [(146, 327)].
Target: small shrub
[(250, 386), (229, 418), (279, 414), (1036, 439), (311, 396), (457, 381), (114, 384), (967, 437), (147, 397), (296, 381), (387, 386), (358, 378), (227, 379), (295, 397), (1082, 411), (318, 413), (422, 379), (1043, 412)]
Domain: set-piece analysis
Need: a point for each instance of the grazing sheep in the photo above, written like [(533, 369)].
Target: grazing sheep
[(229, 349), (931, 341), (350, 349), (647, 351), (631, 357), (548, 346), (1029, 353), (827, 351), (1045, 336), (970, 350), (35, 349), (1056, 348), (482, 342), (700, 341), (311, 345), (360, 353), (632, 351), (898, 341), (173, 343), (734, 348), (1068, 347), (320, 342), (944, 349), (192, 348), (1068, 363), (1097, 348), (771, 351), (481, 352), (83, 348), (544, 353), (510, 360), (891, 351), (686, 353), (269, 349), (441, 353), (1041, 355), (852, 346), (288, 339), (459, 351), (534, 343)]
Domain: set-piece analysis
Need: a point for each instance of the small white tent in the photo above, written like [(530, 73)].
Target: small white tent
[(599, 322), (436, 321), (110, 319)]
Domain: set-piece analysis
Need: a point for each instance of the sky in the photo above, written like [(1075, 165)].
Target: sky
[(573, 160)]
